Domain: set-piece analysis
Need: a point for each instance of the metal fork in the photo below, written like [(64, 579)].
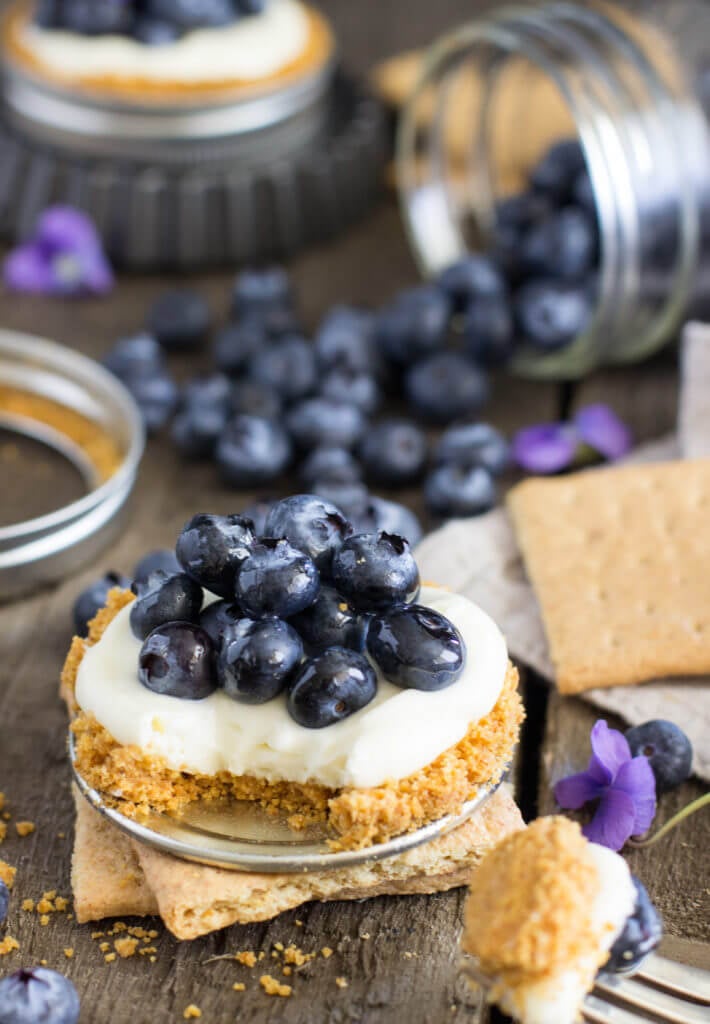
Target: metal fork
[(660, 990)]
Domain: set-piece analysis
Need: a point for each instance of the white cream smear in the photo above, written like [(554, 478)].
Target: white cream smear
[(398, 733), (559, 997), (251, 48)]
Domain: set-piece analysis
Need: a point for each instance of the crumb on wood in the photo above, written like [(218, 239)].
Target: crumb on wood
[(192, 1012), (3, 830), (125, 947), (273, 987), (294, 955), (365, 935), (239, 986), (246, 957), (44, 920), (28, 906), (287, 970), (7, 874), (326, 952), (110, 957), (68, 952), (24, 828), (104, 946), (341, 982), (8, 945)]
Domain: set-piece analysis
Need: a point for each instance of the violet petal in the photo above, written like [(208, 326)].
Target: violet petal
[(27, 270), (636, 778), (600, 428), (545, 448), (62, 228), (577, 790), (610, 750), (613, 822)]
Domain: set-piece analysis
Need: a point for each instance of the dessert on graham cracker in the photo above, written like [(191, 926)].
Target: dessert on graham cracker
[(546, 910), (307, 670), (165, 52)]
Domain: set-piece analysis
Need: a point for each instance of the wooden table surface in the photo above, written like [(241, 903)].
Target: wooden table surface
[(406, 969)]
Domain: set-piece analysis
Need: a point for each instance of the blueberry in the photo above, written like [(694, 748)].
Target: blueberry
[(416, 647), (191, 14), (488, 331), (521, 210), (179, 319), (550, 314), (214, 390), (211, 548), (236, 343), (217, 618), (345, 341), (134, 356), (177, 660), (196, 430), (94, 19), (37, 994), (456, 492), (562, 246), (253, 450), (251, 6), (47, 13), (331, 622), (260, 291), (311, 525), (331, 687), (257, 660), (474, 444), (330, 465), (163, 560), (376, 570), (385, 516), (446, 387), (258, 512), (250, 398), (668, 749), (155, 31), (156, 396), (91, 600), (556, 172), (360, 389), (4, 900), (276, 579), (319, 421), (583, 193), (161, 598), (472, 277), (351, 498), (288, 366), (642, 933), (415, 324), (394, 452)]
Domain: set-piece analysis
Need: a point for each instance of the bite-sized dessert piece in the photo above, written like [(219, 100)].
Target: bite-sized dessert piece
[(545, 912), (162, 51), (314, 674)]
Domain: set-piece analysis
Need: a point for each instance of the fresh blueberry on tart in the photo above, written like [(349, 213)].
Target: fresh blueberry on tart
[(177, 660), (161, 598), (257, 659), (312, 525), (211, 548), (376, 570), (331, 621), (330, 687), (276, 578), (416, 647)]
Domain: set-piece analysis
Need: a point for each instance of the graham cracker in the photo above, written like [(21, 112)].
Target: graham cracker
[(620, 562), (114, 876)]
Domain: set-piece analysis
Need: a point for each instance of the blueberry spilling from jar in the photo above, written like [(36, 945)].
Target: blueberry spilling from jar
[(301, 606)]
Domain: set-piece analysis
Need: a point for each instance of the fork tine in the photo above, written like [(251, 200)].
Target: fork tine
[(691, 982), (649, 1000), (596, 1011)]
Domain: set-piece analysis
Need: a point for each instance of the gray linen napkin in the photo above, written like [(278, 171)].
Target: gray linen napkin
[(480, 558)]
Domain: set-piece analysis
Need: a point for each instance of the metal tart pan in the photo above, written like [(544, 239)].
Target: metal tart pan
[(198, 186), (240, 836), (47, 548)]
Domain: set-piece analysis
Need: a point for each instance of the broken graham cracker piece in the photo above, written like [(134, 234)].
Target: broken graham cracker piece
[(619, 558), (113, 875)]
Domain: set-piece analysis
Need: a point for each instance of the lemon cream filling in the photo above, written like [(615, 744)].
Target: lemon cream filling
[(249, 49), (398, 733)]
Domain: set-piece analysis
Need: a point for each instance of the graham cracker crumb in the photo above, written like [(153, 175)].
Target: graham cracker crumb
[(104, 946), (45, 906), (192, 1012), (7, 874), (125, 947), (28, 905), (97, 935), (365, 935), (110, 957), (60, 904), (246, 957), (24, 828), (273, 987), (44, 920), (153, 959), (3, 830), (61, 835), (287, 970), (299, 923), (326, 952), (2, 801), (68, 952), (239, 986), (294, 955), (279, 946), (43, 963), (341, 982), (8, 945)]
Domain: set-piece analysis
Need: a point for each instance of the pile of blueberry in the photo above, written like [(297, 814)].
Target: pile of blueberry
[(38, 994), (298, 608), (153, 22)]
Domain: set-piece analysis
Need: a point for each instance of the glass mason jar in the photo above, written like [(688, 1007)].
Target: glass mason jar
[(494, 95)]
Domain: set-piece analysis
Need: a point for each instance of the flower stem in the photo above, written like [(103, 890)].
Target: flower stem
[(696, 805)]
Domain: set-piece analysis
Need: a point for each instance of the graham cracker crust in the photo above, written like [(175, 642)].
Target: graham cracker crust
[(319, 49), (138, 783)]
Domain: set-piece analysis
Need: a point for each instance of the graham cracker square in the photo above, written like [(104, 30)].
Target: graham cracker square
[(620, 562)]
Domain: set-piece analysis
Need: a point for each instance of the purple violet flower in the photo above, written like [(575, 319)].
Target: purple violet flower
[(64, 257), (625, 787), (550, 447)]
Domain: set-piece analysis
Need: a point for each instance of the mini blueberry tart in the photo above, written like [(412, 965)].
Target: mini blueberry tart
[(168, 51), (308, 670), (545, 912)]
